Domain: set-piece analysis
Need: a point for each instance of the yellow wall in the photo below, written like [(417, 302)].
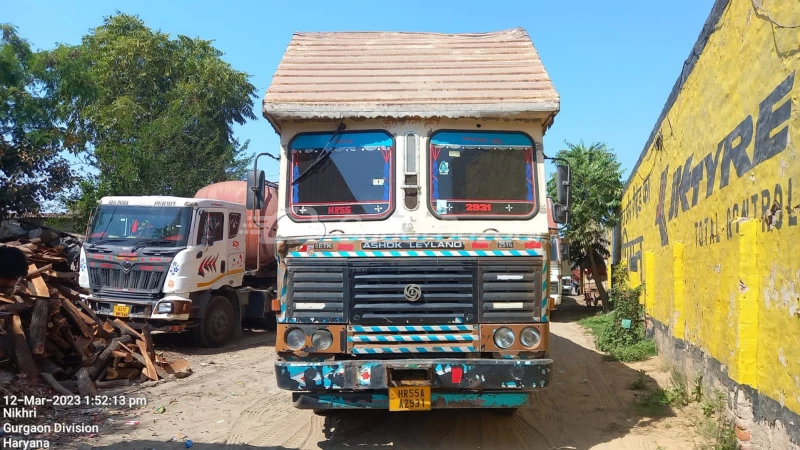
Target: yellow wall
[(695, 225)]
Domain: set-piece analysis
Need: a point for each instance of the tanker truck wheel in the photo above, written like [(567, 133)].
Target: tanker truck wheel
[(217, 324)]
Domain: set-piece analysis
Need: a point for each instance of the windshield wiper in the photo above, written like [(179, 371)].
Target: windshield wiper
[(105, 241), (151, 241), (322, 156)]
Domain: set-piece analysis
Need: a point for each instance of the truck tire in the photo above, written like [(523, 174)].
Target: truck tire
[(217, 325)]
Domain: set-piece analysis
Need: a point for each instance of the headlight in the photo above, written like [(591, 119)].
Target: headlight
[(164, 308), (503, 337), (322, 339), (295, 339), (530, 337)]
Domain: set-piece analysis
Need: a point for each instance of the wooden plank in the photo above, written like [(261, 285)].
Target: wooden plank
[(5, 299), (47, 258), (108, 328), (85, 318), (128, 349), (150, 369), (39, 286), (38, 328), (90, 312), (69, 293), (104, 358), (148, 339), (84, 343), (22, 353), (56, 385), (85, 384), (62, 275), (125, 328), (67, 335), (15, 308), (176, 366), (78, 318), (35, 271)]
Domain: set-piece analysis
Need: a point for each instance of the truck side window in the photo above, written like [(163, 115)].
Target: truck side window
[(233, 224), (217, 219)]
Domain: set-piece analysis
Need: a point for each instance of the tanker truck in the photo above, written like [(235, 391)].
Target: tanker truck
[(179, 264)]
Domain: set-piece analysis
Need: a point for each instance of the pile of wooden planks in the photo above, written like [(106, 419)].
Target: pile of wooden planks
[(49, 331)]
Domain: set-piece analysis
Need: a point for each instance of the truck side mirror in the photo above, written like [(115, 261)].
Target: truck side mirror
[(561, 205), (256, 184), (563, 180)]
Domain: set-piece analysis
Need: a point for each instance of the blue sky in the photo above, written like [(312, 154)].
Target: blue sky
[(613, 63)]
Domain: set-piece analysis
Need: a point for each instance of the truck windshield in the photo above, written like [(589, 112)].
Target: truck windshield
[(482, 174), (354, 180), (169, 226)]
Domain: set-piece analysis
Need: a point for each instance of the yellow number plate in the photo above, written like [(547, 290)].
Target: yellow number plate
[(122, 310), (410, 398)]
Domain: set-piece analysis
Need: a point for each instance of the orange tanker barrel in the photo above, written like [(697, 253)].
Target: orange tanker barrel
[(236, 192)]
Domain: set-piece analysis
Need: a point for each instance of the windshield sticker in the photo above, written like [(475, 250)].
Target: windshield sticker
[(236, 261), (444, 168), (504, 162), (350, 174)]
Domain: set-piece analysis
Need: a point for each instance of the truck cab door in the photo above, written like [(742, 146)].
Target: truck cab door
[(210, 238)]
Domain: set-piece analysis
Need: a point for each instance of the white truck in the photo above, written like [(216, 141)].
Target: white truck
[(180, 263)]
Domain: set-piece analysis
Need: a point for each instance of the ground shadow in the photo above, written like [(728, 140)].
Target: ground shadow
[(573, 309), (589, 403), (143, 444), (184, 342)]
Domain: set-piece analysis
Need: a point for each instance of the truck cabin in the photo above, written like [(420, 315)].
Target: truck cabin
[(412, 228)]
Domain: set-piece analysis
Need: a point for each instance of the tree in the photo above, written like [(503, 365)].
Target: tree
[(155, 115), (596, 197), (32, 168)]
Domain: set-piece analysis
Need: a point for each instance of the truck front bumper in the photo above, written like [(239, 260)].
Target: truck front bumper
[(455, 383), (178, 311)]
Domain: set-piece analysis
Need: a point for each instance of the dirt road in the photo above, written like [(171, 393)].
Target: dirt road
[(231, 402)]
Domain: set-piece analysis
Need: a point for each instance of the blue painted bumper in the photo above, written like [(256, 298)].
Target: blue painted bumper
[(439, 400), (443, 374)]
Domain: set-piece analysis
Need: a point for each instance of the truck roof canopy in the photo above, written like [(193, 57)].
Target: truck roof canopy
[(350, 75)]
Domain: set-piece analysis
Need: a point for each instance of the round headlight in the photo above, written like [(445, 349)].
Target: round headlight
[(503, 337), (530, 337), (295, 339), (322, 339)]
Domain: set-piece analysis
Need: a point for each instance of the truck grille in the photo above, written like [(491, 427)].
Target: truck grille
[(511, 291), (454, 291), (316, 292), (447, 288), (398, 339), (103, 278)]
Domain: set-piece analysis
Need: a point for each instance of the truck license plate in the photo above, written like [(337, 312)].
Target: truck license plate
[(410, 398), (122, 310)]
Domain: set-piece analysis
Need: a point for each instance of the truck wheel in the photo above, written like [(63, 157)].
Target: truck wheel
[(217, 324)]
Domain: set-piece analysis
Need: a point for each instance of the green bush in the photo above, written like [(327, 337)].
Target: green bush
[(623, 344), (596, 323)]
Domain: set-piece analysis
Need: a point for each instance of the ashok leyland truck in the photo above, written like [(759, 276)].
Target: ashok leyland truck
[(413, 243)]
